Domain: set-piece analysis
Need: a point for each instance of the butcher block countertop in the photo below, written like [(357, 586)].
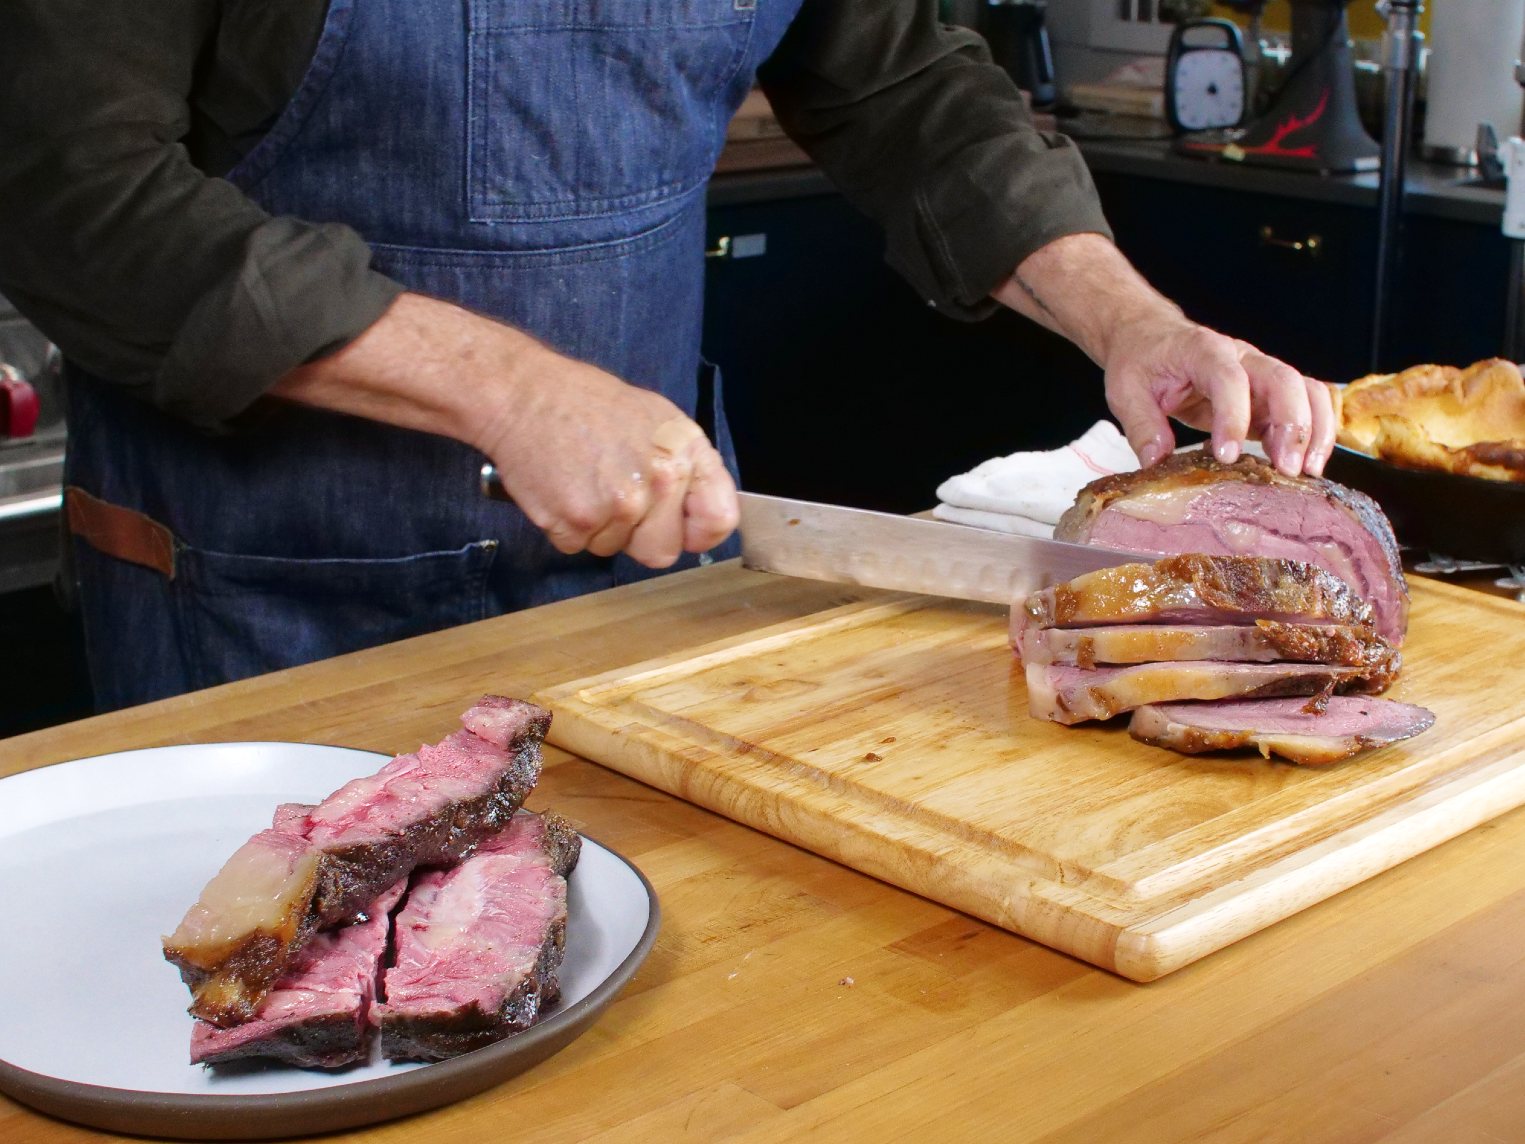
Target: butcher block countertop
[(789, 997)]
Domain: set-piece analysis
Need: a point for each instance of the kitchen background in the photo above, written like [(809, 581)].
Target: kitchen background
[(842, 385)]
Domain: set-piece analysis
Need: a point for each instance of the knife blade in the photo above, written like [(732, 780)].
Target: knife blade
[(907, 554), (903, 553)]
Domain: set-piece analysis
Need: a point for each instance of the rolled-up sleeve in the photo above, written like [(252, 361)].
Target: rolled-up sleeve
[(138, 265), (920, 130)]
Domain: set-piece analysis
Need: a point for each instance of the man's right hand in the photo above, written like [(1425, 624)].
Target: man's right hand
[(605, 466), (598, 464)]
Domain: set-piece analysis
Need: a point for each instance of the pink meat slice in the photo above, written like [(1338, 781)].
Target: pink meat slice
[(1073, 694), (318, 1013), (1267, 641), (1348, 726), (1194, 588), (479, 947)]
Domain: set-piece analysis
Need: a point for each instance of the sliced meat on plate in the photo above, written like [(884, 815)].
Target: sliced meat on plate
[(479, 946), (325, 869), (318, 1012)]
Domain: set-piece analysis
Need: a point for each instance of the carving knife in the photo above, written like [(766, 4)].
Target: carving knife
[(903, 553), (908, 554)]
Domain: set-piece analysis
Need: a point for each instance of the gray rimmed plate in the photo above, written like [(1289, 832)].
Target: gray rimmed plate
[(100, 856)]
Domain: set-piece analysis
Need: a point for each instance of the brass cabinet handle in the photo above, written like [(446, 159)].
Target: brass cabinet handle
[(1311, 246), (739, 246)]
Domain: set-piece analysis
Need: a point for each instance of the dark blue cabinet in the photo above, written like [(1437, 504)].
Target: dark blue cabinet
[(842, 385)]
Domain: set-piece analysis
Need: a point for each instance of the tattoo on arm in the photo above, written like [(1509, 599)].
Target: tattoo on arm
[(1027, 288)]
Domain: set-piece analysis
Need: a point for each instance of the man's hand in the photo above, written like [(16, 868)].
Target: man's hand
[(1157, 371), (1160, 365), (598, 464), (601, 465)]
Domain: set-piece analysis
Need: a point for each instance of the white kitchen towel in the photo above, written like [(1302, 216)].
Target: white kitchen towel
[(1026, 493)]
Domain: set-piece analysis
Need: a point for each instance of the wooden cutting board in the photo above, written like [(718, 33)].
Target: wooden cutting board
[(893, 736)]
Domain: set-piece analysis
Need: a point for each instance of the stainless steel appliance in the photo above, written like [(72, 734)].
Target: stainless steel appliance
[(31, 454)]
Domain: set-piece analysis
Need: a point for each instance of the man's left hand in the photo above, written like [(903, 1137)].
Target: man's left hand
[(1161, 365), (1177, 369)]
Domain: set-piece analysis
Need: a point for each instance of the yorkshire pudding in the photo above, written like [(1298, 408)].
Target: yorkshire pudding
[(1467, 421)]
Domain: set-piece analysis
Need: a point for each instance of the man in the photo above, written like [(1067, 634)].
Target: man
[(312, 262)]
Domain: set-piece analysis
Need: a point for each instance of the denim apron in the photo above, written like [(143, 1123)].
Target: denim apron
[(542, 161)]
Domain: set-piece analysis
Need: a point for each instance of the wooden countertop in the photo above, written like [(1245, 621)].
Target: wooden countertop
[(790, 997)]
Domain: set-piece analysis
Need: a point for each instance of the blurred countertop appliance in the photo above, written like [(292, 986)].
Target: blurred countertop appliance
[(1017, 33), (1311, 123), (1469, 79)]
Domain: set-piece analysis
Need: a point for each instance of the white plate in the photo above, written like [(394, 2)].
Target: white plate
[(100, 856)]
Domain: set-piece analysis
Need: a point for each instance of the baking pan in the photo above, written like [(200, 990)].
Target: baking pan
[(1468, 518)]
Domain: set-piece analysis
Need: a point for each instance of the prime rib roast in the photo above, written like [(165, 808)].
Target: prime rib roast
[(1199, 589), (478, 946), (1266, 641), (1271, 598), (326, 868), (1192, 503)]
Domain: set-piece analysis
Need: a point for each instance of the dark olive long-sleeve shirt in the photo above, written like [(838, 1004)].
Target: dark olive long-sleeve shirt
[(122, 243)]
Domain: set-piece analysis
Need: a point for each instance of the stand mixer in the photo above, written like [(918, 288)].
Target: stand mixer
[(1311, 123)]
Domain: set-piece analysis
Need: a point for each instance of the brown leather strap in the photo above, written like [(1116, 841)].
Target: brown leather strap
[(120, 532)]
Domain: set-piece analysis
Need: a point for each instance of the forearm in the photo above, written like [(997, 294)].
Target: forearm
[(1082, 287), (1160, 365), (426, 365), (598, 464)]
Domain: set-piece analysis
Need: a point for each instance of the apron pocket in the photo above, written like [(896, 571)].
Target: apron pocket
[(584, 109), (246, 615)]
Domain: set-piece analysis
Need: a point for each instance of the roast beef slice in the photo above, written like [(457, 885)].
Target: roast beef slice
[(318, 1013), (1267, 641), (1347, 726), (479, 946), (1074, 694), (1197, 589)]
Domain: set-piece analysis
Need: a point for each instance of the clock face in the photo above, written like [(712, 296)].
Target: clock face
[(1209, 89)]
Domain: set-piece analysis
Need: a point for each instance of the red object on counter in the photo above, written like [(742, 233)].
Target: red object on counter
[(19, 407)]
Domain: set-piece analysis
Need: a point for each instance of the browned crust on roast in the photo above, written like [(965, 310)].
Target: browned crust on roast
[(1342, 644), (1200, 467), (230, 994), (1249, 586), (1310, 752), (331, 1041)]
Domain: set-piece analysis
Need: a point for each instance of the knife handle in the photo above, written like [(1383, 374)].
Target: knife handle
[(492, 484)]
